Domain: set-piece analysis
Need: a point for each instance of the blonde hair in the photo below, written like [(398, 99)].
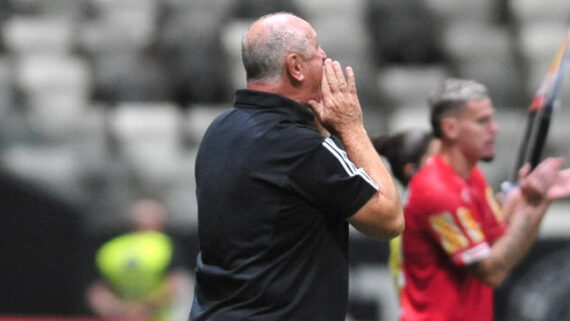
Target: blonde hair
[(453, 95)]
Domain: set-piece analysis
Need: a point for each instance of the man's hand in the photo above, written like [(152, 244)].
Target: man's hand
[(339, 111), (561, 186), (546, 182)]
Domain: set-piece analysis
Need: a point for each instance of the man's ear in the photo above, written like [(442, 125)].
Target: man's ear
[(294, 67), (450, 127)]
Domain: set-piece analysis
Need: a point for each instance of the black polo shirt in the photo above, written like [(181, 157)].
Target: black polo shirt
[(273, 198)]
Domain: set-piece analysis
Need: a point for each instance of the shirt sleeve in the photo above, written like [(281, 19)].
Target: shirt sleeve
[(460, 235), (330, 181), (462, 218)]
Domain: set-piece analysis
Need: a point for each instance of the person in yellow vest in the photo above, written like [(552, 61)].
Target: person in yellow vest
[(406, 151), (141, 277)]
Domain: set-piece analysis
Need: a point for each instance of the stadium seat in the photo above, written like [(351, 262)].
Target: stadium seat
[(33, 35), (190, 45), (53, 168), (148, 136), (232, 34), (539, 43), (545, 11), (411, 85)]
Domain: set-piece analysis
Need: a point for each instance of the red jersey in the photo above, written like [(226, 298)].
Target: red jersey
[(450, 222)]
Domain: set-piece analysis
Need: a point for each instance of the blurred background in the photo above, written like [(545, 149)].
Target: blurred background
[(103, 102)]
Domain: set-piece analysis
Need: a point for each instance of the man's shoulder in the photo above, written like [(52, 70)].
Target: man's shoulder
[(431, 193), (432, 190), (432, 177), (478, 178)]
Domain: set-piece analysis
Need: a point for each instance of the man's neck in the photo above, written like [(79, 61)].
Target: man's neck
[(279, 89), (457, 161)]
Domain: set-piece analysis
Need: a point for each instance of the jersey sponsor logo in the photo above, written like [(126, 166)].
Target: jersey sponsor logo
[(346, 163), (497, 211), (451, 237), (470, 225)]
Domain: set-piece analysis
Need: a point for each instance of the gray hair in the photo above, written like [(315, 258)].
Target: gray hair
[(263, 55), (451, 97)]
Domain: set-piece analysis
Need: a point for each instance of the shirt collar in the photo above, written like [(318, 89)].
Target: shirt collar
[(247, 98), (444, 165)]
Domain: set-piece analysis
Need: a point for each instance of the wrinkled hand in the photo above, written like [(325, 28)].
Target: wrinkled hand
[(545, 182), (339, 110)]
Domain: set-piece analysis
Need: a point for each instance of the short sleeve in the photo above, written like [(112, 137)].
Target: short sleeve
[(460, 235), (330, 181)]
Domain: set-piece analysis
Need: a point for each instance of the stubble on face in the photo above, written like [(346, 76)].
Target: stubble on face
[(481, 128)]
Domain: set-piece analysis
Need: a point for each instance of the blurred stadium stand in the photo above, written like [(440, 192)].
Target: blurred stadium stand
[(104, 101)]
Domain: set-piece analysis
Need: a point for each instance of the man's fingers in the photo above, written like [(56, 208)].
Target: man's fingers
[(329, 72), (543, 181), (325, 86), (351, 79), (549, 168), (341, 81), (561, 187), (524, 171)]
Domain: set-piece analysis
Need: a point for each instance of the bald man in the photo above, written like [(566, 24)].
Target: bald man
[(276, 191)]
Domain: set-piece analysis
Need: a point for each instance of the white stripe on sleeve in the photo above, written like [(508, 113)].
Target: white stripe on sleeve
[(346, 163)]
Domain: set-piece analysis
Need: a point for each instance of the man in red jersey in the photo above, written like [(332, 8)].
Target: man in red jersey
[(459, 243)]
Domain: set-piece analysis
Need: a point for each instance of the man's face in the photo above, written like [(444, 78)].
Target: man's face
[(314, 67), (476, 130)]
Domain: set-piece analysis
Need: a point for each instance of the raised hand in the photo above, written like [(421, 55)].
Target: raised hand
[(561, 186), (545, 182), (339, 110)]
